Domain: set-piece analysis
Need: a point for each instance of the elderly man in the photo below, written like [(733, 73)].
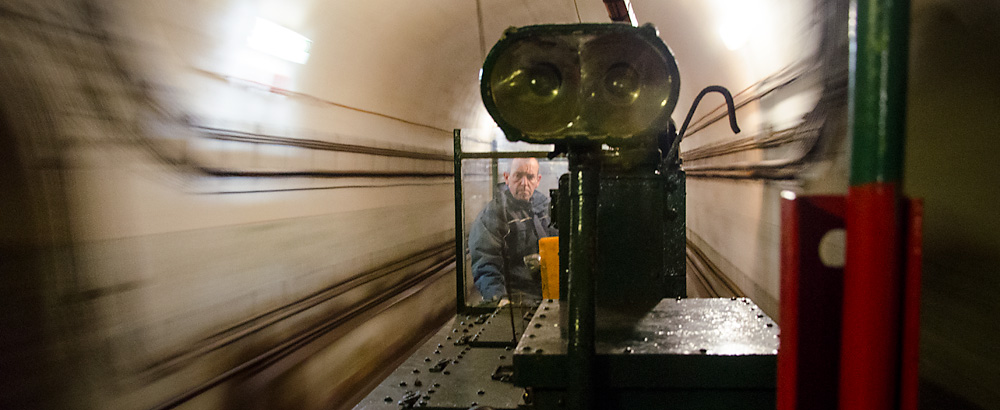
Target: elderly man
[(507, 231)]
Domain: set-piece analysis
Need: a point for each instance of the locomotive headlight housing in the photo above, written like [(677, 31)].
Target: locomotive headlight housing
[(608, 83)]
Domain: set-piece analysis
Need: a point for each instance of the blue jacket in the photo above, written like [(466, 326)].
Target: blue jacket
[(499, 239)]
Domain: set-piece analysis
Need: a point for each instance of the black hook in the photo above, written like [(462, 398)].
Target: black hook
[(729, 104), (687, 121)]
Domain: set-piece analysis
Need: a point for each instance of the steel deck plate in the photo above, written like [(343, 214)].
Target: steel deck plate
[(497, 327), (466, 371), (683, 343)]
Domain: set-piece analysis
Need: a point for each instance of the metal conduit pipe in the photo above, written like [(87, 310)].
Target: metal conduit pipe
[(769, 169), (232, 173), (256, 138), (772, 140)]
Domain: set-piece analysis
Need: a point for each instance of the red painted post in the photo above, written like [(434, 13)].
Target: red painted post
[(909, 377), (811, 295), (873, 278), (869, 372)]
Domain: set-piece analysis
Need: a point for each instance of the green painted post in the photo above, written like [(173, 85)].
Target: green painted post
[(879, 31), (873, 273), (585, 181)]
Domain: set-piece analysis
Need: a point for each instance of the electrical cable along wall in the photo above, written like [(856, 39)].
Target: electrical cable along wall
[(793, 139), (145, 286)]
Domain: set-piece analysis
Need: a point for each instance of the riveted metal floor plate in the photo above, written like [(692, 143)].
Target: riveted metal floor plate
[(449, 373), (683, 343)]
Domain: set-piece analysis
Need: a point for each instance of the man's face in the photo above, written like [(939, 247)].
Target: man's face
[(523, 178)]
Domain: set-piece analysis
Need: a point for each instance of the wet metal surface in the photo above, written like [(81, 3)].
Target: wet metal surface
[(695, 343)]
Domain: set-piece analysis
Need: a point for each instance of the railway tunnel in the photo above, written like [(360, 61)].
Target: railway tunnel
[(250, 203)]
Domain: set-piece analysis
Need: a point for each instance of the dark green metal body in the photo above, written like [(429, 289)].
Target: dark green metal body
[(683, 354), (641, 239), (459, 224), (621, 336)]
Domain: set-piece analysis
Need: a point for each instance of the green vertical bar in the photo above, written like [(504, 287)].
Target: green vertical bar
[(879, 36), (584, 186), (459, 225)]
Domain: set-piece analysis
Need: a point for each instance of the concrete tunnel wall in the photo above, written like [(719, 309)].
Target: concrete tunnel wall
[(160, 256)]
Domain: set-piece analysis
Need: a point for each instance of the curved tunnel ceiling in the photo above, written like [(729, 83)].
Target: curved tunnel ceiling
[(403, 74), (419, 61)]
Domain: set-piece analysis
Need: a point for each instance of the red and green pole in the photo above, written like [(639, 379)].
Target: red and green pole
[(873, 277)]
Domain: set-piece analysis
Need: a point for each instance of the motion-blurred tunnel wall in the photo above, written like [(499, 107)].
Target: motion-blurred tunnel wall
[(178, 206)]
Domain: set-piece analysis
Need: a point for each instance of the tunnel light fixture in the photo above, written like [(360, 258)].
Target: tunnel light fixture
[(281, 42), (734, 34), (606, 83)]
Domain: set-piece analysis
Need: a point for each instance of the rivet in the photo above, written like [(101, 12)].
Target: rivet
[(440, 346), (418, 383), (628, 350), (402, 384), (422, 403), (447, 338), (481, 392), (415, 371), (539, 351), (388, 399), (465, 330), (703, 351), (538, 325), (542, 316), (437, 352), (527, 348), (502, 357), (474, 404), (454, 362), (437, 384), (446, 372), (431, 391), (427, 397), (531, 336), (770, 324), (427, 359)]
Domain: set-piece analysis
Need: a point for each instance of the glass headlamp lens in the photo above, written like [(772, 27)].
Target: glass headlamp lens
[(622, 83)]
